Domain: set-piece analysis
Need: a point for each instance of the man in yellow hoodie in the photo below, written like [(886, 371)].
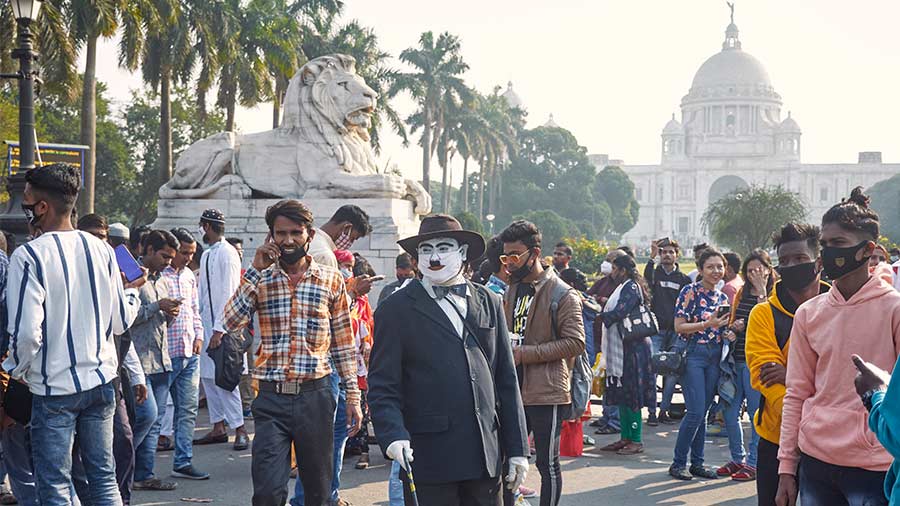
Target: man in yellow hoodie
[(768, 338), (827, 452)]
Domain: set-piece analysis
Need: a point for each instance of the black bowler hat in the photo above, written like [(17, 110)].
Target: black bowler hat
[(444, 225)]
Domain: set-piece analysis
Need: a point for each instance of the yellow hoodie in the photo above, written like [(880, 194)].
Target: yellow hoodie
[(762, 347)]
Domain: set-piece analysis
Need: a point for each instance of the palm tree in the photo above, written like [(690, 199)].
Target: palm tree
[(57, 53), (468, 139), (438, 67), (499, 142), (243, 75), (90, 20)]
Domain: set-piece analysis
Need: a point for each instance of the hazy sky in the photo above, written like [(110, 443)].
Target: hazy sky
[(614, 71)]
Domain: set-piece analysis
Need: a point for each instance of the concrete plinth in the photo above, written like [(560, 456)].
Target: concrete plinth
[(391, 219)]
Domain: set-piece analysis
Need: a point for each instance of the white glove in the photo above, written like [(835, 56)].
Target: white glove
[(397, 449), (518, 470)]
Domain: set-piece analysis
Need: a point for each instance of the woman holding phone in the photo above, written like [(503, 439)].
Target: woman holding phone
[(701, 314)]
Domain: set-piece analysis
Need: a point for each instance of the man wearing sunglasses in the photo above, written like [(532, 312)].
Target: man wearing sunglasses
[(545, 342)]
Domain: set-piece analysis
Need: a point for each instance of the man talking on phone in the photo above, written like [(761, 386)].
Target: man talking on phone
[(305, 334), (148, 336)]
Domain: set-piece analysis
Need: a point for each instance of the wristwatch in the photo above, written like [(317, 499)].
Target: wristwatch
[(867, 397)]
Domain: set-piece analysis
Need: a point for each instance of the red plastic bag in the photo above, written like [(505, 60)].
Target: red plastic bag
[(571, 441)]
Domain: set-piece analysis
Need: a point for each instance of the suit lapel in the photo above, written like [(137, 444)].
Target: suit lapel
[(428, 307), (474, 311)]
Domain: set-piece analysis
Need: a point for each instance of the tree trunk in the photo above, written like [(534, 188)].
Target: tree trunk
[(165, 129), (492, 194), (464, 189), (447, 207), (276, 102), (426, 151), (89, 126), (481, 189), (230, 107)]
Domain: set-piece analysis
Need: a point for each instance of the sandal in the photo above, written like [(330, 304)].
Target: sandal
[(746, 473), (729, 469), (614, 447), (607, 430), (631, 449), (155, 484)]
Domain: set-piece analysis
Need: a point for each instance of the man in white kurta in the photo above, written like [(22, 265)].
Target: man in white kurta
[(220, 276)]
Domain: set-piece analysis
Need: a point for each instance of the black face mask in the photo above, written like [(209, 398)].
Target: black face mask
[(522, 272), (292, 256), (28, 210), (838, 262), (798, 277)]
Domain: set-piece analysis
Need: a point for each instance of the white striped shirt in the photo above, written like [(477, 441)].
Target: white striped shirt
[(66, 301)]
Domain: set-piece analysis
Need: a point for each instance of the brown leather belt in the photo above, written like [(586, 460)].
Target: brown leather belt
[(294, 387)]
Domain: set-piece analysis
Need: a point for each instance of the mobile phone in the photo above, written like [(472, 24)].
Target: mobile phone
[(377, 278), (127, 264), (723, 310)]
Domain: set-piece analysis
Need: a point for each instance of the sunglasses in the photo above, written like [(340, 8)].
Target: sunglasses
[(513, 258)]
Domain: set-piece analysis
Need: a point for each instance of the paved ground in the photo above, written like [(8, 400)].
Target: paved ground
[(589, 480)]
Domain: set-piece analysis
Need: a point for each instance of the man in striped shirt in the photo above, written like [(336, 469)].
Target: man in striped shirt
[(304, 321), (65, 304)]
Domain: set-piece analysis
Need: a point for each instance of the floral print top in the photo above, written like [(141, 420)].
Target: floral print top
[(697, 304)]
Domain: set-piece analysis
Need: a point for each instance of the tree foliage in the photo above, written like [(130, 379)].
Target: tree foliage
[(587, 255), (746, 218), (886, 202)]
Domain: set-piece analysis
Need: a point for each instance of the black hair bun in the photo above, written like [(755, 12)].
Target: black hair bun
[(859, 198)]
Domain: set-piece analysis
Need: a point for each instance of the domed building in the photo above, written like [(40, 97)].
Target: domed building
[(732, 134)]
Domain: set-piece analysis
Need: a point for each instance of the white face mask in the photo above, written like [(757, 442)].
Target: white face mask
[(441, 259), (605, 268)]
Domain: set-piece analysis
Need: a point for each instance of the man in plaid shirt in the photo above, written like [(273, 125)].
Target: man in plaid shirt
[(304, 321), (185, 340)]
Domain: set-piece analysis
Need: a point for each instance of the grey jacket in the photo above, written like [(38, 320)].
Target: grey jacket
[(148, 332)]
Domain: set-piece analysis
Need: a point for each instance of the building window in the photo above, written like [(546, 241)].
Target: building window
[(684, 191), (684, 225), (823, 194), (638, 194)]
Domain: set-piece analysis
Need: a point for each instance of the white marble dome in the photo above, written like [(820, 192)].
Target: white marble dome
[(731, 67)]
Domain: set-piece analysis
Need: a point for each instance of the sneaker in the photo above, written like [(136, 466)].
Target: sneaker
[(747, 473), (729, 469), (652, 420), (680, 473), (703, 472), (527, 493), (666, 419), (190, 473)]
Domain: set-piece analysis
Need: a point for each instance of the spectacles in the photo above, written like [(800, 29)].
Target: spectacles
[(512, 258)]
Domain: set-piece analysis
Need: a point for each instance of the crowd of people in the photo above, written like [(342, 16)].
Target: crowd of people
[(472, 364)]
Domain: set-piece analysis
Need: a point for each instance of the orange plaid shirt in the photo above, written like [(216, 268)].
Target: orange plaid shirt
[(301, 331)]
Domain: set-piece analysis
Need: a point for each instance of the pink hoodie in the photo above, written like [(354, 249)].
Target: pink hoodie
[(823, 416)]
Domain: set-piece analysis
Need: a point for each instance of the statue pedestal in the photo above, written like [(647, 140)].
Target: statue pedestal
[(391, 219)]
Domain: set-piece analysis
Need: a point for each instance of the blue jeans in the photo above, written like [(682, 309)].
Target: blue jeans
[(144, 416), (17, 458), (733, 413), (145, 452), (824, 484), (395, 486), (699, 383), (184, 385), (54, 421), (340, 441), (610, 417), (663, 342)]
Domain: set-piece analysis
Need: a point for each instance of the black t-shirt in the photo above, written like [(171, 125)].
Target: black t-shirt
[(524, 298)]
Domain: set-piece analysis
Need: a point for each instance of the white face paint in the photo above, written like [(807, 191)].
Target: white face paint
[(441, 259)]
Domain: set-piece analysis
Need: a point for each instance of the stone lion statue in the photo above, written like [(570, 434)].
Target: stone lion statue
[(321, 150)]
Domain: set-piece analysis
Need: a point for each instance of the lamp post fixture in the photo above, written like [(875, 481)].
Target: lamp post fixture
[(26, 12), (490, 218)]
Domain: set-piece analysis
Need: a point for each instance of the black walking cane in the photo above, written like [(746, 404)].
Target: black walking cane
[(412, 481)]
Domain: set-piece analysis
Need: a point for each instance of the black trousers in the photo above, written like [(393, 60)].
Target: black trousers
[(824, 484), (485, 492), (545, 423), (305, 421), (766, 472)]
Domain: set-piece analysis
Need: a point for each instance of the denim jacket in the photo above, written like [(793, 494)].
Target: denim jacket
[(148, 332)]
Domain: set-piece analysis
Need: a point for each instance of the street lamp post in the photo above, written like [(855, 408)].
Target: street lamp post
[(26, 11), (490, 218)]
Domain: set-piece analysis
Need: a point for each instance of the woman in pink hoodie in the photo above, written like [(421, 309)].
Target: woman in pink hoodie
[(824, 431)]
